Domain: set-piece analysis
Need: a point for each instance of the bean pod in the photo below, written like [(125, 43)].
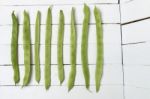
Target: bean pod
[(73, 40), (84, 46), (14, 48), (99, 62), (48, 49), (37, 47), (27, 48), (60, 48)]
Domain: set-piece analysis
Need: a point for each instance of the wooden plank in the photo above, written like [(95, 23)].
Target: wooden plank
[(112, 75), (132, 92), (112, 56), (54, 2), (110, 32), (125, 1), (110, 13), (136, 54), (134, 10), (107, 92), (136, 32), (137, 76)]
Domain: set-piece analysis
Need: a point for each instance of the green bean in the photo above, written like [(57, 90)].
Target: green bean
[(72, 52), (27, 48), (14, 48), (36, 48), (99, 61), (84, 45), (60, 47), (48, 49)]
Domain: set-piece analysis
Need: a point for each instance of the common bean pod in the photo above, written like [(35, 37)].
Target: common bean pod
[(99, 61), (73, 40), (14, 48), (37, 47), (84, 46), (27, 48), (48, 49), (61, 75)]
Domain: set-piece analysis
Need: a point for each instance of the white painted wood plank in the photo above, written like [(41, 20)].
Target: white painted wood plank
[(112, 75), (112, 56), (55, 2), (134, 10), (137, 54), (136, 32), (110, 13), (136, 92), (107, 92), (137, 76), (125, 1), (110, 31)]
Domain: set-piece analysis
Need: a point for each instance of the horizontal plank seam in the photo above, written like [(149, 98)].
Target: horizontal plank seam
[(129, 85), (57, 64), (64, 24), (134, 21), (66, 85), (134, 43), (62, 4)]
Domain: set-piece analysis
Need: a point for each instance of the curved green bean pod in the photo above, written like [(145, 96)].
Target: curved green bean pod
[(60, 47), (84, 45), (48, 49), (14, 48), (27, 48), (37, 46), (99, 62), (73, 46)]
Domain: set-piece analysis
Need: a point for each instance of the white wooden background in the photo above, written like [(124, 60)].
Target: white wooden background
[(126, 27)]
